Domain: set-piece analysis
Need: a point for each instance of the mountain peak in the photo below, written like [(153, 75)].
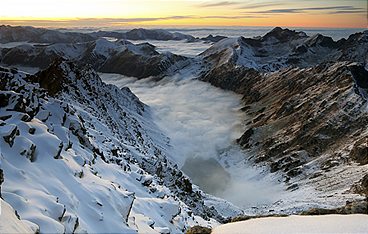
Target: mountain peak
[(284, 34)]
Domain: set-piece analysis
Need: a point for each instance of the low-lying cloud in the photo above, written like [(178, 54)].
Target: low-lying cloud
[(203, 122)]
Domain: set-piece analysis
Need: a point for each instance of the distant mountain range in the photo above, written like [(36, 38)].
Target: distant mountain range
[(41, 35)]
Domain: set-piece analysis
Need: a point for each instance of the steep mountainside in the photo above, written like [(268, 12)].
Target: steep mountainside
[(80, 155), (306, 98)]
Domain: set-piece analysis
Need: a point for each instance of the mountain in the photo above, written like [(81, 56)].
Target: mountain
[(39, 35), (10, 34), (306, 105), (211, 38), (79, 155), (281, 48), (144, 34), (123, 57)]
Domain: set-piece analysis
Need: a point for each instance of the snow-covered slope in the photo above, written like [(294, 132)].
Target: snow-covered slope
[(9, 222), (298, 224), (123, 57), (281, 48), (79, 155)]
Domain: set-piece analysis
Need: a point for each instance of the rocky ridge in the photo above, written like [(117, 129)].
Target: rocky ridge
[(122, 57), (306, 102), (104, 159)]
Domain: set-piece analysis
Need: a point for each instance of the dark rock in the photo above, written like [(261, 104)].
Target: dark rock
[(1, 179), (5, 117), (283, 35), (320, 40), (30, 153), (246, 217), (287, 108), (32, 131), (360, 76), (300, 50), (51, 79), (356, 207), (211, 38), (198, 230), (364, 185), (58, 154), (359, 153), (11, 136), (135, 65), (245, 138), (293, 187)]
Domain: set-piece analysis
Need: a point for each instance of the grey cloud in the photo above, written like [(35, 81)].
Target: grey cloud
[(218, 4), (333, 9), (260, 5)]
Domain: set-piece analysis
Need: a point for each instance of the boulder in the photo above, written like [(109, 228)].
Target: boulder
[(198, 230), (359, 153)]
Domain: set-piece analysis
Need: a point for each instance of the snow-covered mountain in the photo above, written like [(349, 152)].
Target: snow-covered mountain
[(123, 57), (306, 105), (282, 48), (145, 34), (39, 35), (80, 155)]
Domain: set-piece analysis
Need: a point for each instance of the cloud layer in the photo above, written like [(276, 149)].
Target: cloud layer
[(203, 122)]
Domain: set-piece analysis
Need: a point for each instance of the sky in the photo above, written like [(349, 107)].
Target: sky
[(133, 13)]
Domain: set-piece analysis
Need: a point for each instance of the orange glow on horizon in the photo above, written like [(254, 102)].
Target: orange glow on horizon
[(141, 13)]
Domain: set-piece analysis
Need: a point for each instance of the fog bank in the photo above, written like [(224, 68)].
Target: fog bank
[(203, 123)]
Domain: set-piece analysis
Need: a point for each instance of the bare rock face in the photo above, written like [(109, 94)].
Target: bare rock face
[(359, 153), (302, 104), (1, 179), (295, 115), (51, 79), (302, 120), (245, 139), (135, 65), (356, 207), (364, 184)]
